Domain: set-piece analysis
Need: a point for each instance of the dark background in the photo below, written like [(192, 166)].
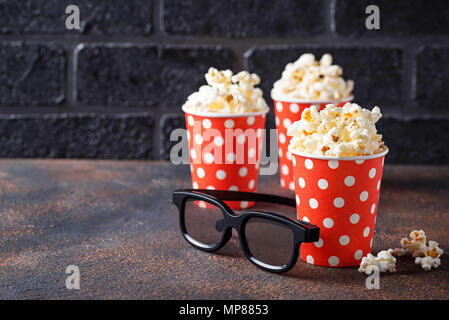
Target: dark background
[(114, 89)]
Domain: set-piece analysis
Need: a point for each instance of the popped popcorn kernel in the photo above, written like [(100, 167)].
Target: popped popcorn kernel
[(431, 259), (227, 93), (334, 131), (384, 260), (309, 79), (415, 246)]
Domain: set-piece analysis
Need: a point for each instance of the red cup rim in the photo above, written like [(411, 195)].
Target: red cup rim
[(348, 99), (225, 115), (315, 156)]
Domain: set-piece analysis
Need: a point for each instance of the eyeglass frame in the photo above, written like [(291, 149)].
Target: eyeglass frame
[(302, 231)]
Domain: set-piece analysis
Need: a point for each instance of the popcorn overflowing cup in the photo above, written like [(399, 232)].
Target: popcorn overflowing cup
[(335, 188), (225, 126), (304, 83)]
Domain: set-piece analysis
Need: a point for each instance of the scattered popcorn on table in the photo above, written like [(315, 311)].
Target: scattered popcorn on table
[(431, 257), (384, 261), (415, 246), (334, 131), (227, 93), (312, 80)]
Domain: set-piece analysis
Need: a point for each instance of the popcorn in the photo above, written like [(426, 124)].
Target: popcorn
[(427, 256), (227, 93), (385, 261), (415, 246), (333, 131), (431, 257), (308, 79)]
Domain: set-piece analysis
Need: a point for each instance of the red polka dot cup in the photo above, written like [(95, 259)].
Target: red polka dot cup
[(225, 151), (287, 112), (340, 196)]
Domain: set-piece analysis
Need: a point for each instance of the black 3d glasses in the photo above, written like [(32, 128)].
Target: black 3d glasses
[(269, 240)]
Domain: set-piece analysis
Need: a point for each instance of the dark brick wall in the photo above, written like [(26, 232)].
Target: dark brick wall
[(114, 89)]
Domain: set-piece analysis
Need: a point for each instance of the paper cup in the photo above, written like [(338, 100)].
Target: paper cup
[(225, 151), (340, 196), (287, 112)]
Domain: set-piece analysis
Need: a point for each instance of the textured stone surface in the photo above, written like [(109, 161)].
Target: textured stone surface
[(168, 123), (116, 222), (31, 74), (252, 18), (432, 79), (120, 136), (397, 18), (96, 16), (416, 141), (137, 75), (377, 71)]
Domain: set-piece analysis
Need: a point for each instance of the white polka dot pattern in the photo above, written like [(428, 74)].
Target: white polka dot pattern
[(213, 166), (334, 261), (313, 203), (344, 240), (243, 171), (309, 164), (218, 141), (208, 157), (349, 181), (319, 243), (328, 223), (279, 106), (285, 114), (221, 174), (364, 196), (323, 184), (282, 138), (354, 218), (333, 164), (340, 196), (207, 124), (339, 202), (309, 259), (229, 124), (294, 108), (358, 254), (200, 172)]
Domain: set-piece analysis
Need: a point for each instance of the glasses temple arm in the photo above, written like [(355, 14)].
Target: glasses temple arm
[(246, 196)]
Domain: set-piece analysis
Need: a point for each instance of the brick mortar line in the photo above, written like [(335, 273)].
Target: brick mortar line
[(157, 21), (69, 99), (409, 76), (162, 38), (331, 16), (158, 111)]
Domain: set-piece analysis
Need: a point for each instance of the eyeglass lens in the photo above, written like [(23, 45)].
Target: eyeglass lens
[(202, 221), (270, 242)]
